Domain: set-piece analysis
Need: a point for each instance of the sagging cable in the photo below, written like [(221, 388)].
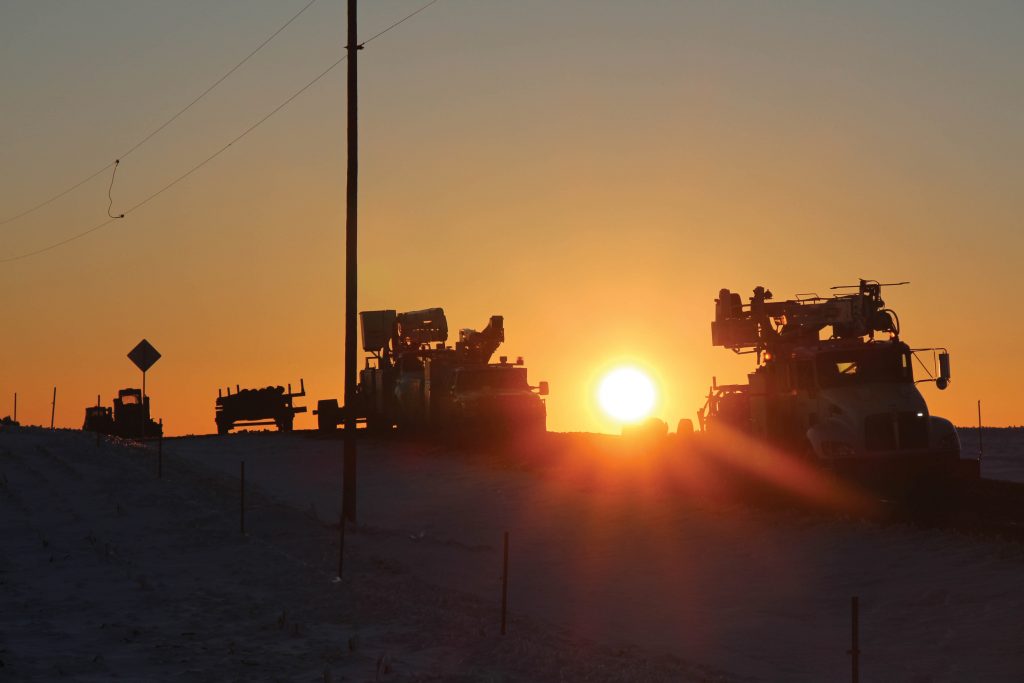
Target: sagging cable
[(110, 190)]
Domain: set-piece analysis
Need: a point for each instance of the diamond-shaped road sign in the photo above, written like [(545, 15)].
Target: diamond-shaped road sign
[(144, 355)]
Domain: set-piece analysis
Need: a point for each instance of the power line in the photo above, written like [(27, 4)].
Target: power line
[(47, 248), (213, 156), (219, 80), (56, 196), (183, 175), (236, 139), (166, 123), (110, 191), (400, 21)]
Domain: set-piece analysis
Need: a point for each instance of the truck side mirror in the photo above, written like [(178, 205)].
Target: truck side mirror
[(542, 389), (942, 381)]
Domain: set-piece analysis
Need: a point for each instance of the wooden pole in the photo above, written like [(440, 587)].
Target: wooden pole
[(53, 407), (142, 409), (241, 499), (504, 587), (341, 544), (160, 452), (981, 444), (15, 418), (348, 500), (97, 426), (855, 639)]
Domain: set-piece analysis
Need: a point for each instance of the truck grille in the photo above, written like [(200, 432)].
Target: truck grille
[(895, 431)]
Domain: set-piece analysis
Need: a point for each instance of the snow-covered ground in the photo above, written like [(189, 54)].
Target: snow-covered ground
[(1001, 450), (621, 569), (107, 573), (628, 555)]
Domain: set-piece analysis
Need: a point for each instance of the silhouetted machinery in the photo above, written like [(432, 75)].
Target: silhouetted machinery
[(129, 417), (254, 407), (414, 381), (845, 399)]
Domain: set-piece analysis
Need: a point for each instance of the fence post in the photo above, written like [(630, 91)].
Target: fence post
[(241, 499), (854, 650), (160, 451), (504, 587), (981, 445), (341, 544)]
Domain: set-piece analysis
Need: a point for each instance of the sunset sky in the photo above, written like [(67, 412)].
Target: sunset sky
[(594, 171)]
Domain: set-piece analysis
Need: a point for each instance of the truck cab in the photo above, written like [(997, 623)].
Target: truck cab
[(497, 398), (846, 400)]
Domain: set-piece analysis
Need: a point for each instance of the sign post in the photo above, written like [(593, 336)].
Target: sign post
[(144, 355)]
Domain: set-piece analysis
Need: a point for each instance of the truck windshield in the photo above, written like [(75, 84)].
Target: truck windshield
[(861, 366), (492, 378)]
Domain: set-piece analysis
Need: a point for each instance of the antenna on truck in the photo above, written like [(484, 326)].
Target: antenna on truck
[(874, 282)]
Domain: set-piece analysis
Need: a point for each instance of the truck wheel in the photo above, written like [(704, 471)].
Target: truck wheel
[(327, 413), (223, 428), (373, 425), (285, 425)]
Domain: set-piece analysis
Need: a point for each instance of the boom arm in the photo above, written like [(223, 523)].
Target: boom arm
[(388, 334), (762, 322), (478, 347)]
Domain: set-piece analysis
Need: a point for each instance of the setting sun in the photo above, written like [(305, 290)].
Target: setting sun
[(626, 394)]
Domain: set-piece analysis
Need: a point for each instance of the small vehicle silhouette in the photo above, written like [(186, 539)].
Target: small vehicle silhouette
[(255, 407), (129, 418)]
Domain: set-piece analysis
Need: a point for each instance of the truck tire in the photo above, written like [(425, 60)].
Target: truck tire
[(327, 414), (374, 424), (223, 428)]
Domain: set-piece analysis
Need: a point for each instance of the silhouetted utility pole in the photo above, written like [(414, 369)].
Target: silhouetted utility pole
[(348, 498), (53, 407)]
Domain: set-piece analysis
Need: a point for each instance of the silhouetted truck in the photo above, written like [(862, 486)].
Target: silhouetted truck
[(99, 419), (415, 382), (129, 418), (844, 399), (255, 407)]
